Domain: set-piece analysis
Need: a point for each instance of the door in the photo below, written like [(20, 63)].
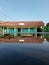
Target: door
[(19, 30)]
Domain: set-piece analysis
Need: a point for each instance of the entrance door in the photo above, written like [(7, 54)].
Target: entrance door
[(19, 30), (39, 30)]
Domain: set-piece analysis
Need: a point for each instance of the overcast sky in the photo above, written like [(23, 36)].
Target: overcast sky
[(19, 10)]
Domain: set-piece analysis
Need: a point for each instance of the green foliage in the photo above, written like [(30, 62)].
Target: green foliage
[(46, 29), (46, 36)]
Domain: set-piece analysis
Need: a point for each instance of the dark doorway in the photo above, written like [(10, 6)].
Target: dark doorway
[(39, 30), (19, 31)]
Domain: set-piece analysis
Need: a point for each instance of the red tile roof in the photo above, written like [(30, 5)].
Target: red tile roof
[(22, 23)]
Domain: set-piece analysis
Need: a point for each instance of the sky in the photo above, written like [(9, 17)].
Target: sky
[(24, 10)]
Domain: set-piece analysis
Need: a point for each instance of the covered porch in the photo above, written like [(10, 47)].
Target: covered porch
[(16, 31)]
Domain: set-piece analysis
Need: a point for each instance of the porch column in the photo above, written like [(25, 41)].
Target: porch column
[(14, 31), (28, 31), (7, 30), (3, 32), (42, 31), (21, 33), (35, 31)]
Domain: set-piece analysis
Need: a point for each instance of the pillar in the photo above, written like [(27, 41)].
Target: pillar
[(21, 33), (35, 31), (42, 31), (14, 31), (3, 32), (7, 30), (28, 31)]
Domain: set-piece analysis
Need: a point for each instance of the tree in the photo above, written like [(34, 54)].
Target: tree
[(46, 29), (47, 24)]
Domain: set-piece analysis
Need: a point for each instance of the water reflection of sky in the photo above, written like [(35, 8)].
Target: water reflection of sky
[(24, 53)]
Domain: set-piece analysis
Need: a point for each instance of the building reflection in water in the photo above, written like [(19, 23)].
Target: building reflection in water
[(24, 40), (38, 39), (46, 36), (47, 39)]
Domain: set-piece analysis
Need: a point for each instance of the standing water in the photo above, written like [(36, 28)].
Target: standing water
[(28, 51)]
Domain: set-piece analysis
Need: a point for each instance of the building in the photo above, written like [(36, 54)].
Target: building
[(20, 28)]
